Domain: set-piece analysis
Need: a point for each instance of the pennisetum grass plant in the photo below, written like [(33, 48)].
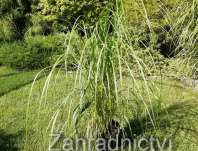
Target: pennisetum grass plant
[(105, 83), (103, 63)]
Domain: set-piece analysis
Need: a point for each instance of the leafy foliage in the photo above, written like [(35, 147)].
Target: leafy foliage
[(34, 52), (65, 12), (52, 16), (6, 31)]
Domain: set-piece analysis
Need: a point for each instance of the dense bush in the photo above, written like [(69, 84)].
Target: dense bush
[(34, 52), (16, 12), (6, 31), (65, 12), (42, 17), (6, 6)]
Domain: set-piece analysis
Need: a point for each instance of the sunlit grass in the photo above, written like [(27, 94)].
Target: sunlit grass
[(14, 105), (11, 79)]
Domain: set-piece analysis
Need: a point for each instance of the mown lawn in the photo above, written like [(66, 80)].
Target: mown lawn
[(24, 118), (5, 71), (11, 79), (14, 105)]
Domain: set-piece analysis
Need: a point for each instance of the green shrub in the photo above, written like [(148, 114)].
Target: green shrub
[(41, 51), (65, 13), (49, 16), (34, 31), (73, 46), (12, 54), (34, 52), (6, 6), (16, 12), (6, 31)]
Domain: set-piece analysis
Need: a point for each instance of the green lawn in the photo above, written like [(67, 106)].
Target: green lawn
[(5, 71), (176, 118), (11, 79), (14, 105)]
